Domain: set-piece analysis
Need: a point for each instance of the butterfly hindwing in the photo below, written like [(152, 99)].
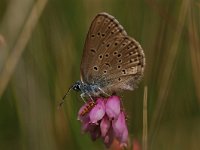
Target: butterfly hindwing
[(126, 65)]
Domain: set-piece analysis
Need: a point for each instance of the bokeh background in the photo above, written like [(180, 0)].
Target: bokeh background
[(41, 43)]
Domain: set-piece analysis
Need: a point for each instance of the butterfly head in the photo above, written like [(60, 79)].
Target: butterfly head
[(77, 86)]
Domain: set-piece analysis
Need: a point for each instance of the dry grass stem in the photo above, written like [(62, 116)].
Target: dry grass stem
[(166, 76), (20, 45), (145, 121)]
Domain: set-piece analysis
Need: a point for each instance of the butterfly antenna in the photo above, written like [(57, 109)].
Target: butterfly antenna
[(63, 99)]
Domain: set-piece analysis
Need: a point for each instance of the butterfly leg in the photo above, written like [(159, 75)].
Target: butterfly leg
[(91, 97), (82, 96), (104, 92)]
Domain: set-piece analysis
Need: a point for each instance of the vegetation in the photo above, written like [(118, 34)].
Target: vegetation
[(41, 45)]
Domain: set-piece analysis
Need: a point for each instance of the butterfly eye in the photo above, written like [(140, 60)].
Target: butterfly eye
[(92, 35), (76, 87)]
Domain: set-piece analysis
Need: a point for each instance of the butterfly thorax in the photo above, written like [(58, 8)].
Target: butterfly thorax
[(86, 89)]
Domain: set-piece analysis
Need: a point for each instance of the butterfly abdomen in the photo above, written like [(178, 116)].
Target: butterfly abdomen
[(88, 107)]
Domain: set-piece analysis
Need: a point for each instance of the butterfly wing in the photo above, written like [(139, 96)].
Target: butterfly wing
[(103, 28), (128, 66), (111, 59)]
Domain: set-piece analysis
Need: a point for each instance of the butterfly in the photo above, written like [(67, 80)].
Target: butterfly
[(111, 62)]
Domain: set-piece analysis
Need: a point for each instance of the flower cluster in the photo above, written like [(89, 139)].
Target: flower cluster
[(105, 119)]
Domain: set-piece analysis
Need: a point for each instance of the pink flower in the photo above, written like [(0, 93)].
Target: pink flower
[(120, 129), (104, 118), (97, 112), (113, 107)]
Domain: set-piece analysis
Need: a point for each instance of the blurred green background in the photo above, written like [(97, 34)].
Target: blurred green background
[(40, 59)]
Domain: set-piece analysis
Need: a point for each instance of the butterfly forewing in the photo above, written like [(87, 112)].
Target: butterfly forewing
[(110, 56), (103, 29)]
